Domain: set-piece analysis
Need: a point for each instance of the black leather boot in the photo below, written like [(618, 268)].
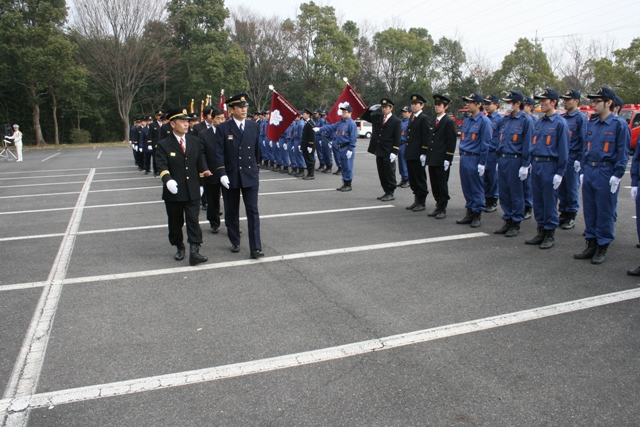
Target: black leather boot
[(476, 221), (589, 251), (194, 255), (549, 239), (601, 251), (180, 252), (538, 239), (514, 230), (505, 227), (467, 219)]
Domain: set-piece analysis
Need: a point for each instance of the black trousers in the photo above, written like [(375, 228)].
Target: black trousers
[(440, 185), (178, 212), (232, 215), (309, 159), (147, 161), (418, 180), (386, 173), (212, 193)]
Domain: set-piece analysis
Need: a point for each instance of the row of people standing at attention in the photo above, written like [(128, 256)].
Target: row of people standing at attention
[(16, 139)]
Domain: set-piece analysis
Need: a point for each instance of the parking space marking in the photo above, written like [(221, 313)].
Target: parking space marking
[(36, 176), (235, 370), (50, 157), (46, 183), (29, 172), (245, 262), (26, 372), (40, 195)]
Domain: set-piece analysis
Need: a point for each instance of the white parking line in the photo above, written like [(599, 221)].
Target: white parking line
[(122, 388), (36, 176), (99, 154), (50, 157), (26, 371), (31, 172)]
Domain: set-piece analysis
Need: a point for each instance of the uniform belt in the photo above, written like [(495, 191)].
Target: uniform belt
[(511, 156), (467, 153), (600, 164), (341, 146), (544, 159)]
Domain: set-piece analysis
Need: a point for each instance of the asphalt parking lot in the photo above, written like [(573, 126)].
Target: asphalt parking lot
[(361, 313)]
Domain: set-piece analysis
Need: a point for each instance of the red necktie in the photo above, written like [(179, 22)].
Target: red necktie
[(184, 149), (384, 120), (413, 118), (437, 121)]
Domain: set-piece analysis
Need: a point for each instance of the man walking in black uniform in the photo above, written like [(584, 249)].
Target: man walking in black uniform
[(440, 151), (418, 135), (384, 144), (211, 181), (179, 158), (308, 144), (154, 129)]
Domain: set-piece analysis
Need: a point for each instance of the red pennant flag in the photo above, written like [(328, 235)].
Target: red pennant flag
[(223, 105), (348, 95), (282, 114)]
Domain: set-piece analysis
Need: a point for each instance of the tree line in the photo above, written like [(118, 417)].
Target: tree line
[(80, 71)]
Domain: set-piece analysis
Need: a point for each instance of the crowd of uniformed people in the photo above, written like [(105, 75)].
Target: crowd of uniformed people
[(528, 166)]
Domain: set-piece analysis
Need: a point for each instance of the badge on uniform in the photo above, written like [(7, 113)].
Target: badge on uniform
[(172, 154), (230, 137)]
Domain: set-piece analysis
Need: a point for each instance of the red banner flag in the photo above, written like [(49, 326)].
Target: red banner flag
[(349, 96), (223, 105), (282, 114)]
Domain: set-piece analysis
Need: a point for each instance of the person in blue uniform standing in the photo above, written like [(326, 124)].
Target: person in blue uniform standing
[(474, 146), (265, 149), (346, 137), (568, 193), (320, 144), (236, 153), (549, 155), (529, 104), (515, 135), (635, 177), (491, 106), (402, 163), (333, 149), (604, 162), (297, 140)]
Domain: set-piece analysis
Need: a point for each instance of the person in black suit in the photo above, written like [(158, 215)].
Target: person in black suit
[(208, 120), (154, 129), (308, 144), (418, 135), (179, 159), (384, 144), (236, 154), (440, 150), (215, 116)]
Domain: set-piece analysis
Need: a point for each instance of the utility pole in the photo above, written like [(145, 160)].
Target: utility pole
[(536, 42)]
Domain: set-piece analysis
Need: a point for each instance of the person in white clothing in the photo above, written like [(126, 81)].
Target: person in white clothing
[(17, 140)]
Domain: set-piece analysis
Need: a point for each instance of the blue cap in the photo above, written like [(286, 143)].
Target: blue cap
[(529, 101), (618, 101), (548, 94), (474, 97), (406, 109), (320, 111), (347, 107), (493, 99), (514, 96), (604, 92), (571, 94)]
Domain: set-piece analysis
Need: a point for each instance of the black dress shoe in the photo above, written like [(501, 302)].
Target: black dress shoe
[(434, 213), (404, 184), (195, 257), (256, 253), (235, 248), (214, 230), (309, 177), (442, 214), (179, 253), (387, 198), (634, 272), (411, 206), (380, 197), (419, 207), (346, 188)]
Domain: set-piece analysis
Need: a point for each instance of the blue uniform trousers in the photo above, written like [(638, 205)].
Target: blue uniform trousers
[(511, 192), (402, 163), (568, 191), (284, 156), (266, 150), (638, 217), (231, 199), (491, 176), (320, 151), (545, 198), (336, 155), (292, 154), (275, 152), (598, 203), (528, 192), (299, 155), (347, 164), (472, 184)]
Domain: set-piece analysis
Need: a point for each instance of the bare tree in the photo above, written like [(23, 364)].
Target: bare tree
[(577, 71), (116, 48)]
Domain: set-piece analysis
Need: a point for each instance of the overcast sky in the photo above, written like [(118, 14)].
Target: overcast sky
[(488, 26)]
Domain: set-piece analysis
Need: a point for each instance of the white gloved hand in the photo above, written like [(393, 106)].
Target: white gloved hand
[(349, 154), (557, 180), (634, 192), (172, 186), (149, 147), (278, 144), (576, 166), (374, 107), (140, 149), (614, 182), (284, 145), (270, 143), (316, 129), (523, 173), (135, 147), (423, 159), (496, 167), (264, 143), (309, 150), (319, 143), (201, 190), (393, 157), (581, 178), (446, 165), (224, 180), (481, 170)]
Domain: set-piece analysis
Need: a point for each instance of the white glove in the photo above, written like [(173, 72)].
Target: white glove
[(309, 150), (224, 180), (135, 147), (634, 192), (140, 149), (481, 170), (319, 143), (446, 165), (576, 166), (349, 154), (523, 173), (201, 190), (316, 129), (264, 143), (278, 144), (423, 159), (284, 145), (614, 182), (172, 186), (270, 144), (393, 157), (557, 180), (149, 147), (374, 107), (581, 178), (496, 167)]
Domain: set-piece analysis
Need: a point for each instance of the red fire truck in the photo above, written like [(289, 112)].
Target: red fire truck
[(631, 114)]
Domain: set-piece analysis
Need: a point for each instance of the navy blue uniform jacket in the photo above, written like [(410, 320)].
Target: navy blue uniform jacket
[(236, 153)]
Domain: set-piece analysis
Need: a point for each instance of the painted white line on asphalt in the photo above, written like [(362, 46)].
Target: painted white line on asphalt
[(29, 173), (124, 179), (149, 227), (50, 157), (99, 154), (47, 183), (235, 370), (40, 195), (245, 262), (36, 176), (26, 371)]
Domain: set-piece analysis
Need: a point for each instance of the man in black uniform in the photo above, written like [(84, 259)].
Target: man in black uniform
[(179, 160), (308, 144), (154, 130), (440, 151), (211, 181), (418, 135), (384, 144)]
